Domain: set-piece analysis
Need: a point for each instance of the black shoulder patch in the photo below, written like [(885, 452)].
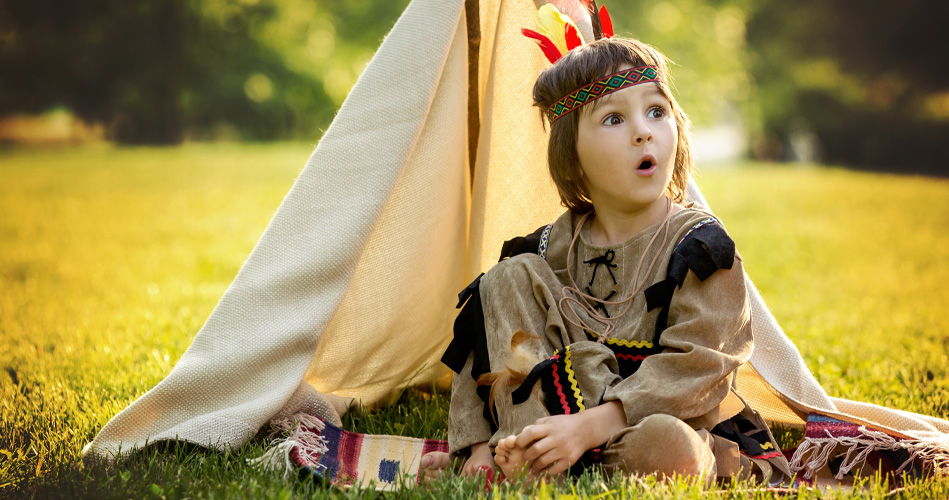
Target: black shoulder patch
[(522, 244), (706, 248)]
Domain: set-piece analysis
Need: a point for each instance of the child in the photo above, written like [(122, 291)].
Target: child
[(630, 309)]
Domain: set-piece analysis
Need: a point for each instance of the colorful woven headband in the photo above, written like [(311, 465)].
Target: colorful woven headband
[(602, 87)]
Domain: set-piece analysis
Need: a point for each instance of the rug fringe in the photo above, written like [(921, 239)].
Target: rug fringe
[(300, 431), (814, 453)]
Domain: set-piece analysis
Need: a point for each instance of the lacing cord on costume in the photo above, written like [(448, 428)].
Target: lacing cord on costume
[(599, 305), (572, 295), (606, 260)]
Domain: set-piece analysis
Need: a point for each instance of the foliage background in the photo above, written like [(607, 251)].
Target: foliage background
[(847, 81)]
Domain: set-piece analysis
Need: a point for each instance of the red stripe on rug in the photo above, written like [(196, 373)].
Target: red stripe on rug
[(350, 444), (434, 445)]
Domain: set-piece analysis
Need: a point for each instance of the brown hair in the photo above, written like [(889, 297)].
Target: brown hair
[(579, 67)]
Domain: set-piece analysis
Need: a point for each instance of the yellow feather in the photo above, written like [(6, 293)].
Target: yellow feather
[(551, 23)]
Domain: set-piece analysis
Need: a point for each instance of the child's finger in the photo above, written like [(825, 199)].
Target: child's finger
[(530, 434), (547, 463), (538, 448)]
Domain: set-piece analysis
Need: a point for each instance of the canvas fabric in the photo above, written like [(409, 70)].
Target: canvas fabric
[(360, 262), (351, 288)]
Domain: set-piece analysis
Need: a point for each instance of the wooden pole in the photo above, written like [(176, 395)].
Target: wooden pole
[(473, 16)]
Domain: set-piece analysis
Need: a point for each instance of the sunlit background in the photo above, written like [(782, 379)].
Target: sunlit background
[(860, 83)]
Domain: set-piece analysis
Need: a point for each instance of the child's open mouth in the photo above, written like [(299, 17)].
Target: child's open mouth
[(646, 167)]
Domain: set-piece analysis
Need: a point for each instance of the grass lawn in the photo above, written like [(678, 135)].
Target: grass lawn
[(111, 260)]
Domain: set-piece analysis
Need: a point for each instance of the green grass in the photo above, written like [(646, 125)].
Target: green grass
[(111, 260)]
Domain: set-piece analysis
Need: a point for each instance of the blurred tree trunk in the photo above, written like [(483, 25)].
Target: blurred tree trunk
[(162, 122)]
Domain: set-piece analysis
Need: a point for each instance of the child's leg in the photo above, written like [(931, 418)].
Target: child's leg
[(661, 445), (466, 423), (519, 294)]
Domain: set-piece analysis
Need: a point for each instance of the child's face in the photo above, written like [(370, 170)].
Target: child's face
[(627, 148)]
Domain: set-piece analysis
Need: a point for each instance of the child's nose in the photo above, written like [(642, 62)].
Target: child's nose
[(641, 133)]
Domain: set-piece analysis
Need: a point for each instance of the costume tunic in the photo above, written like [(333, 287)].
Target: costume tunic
[(674, 353)]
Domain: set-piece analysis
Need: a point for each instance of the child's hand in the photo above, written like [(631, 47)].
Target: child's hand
[(480, 457), (553, 443)]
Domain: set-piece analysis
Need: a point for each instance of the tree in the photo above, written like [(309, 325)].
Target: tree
[(865, 76), (152, 70)]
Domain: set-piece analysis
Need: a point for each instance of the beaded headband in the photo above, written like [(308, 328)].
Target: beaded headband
[(559, 35), (602, 87)]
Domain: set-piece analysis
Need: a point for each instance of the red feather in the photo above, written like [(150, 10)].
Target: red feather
[(546, 45), (572, 37), (606, 24)]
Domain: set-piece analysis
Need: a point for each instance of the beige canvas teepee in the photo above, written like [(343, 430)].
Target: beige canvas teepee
[(351, 289)]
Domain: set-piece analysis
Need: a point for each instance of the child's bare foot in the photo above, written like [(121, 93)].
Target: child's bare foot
[(434, 464), (510, 458)]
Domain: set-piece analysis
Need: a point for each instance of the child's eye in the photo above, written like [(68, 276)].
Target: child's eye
[(612, 119), (656, 112)]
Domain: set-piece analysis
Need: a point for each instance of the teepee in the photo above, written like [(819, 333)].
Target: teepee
[(434, 159)]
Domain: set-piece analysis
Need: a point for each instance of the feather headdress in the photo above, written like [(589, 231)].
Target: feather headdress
[(557, 26)]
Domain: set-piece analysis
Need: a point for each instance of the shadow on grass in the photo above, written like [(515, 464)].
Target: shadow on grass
[(170, 469), (175, 469), (178, 469)]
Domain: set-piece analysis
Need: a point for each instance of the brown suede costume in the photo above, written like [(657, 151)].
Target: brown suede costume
[(674, 397)]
